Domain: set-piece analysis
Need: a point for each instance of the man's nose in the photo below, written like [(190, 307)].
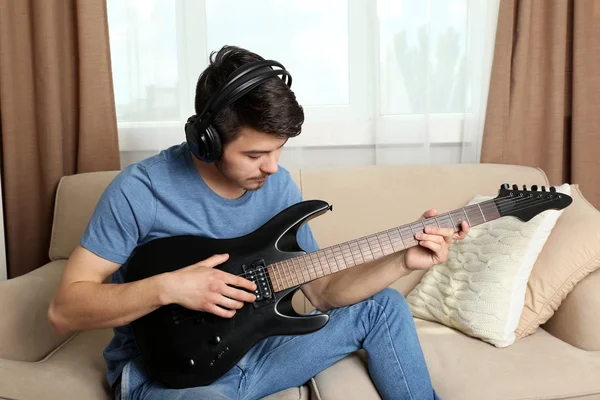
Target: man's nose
[(270, 165)]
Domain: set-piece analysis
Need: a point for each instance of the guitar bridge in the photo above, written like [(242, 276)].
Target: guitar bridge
[(257, 273)]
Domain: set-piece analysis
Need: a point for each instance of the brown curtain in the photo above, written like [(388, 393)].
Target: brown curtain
[(544, 100), (57, 113)]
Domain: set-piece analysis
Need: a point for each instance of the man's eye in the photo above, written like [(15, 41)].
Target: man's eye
[(254, 157)]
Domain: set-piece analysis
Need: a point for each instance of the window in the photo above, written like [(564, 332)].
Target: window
[(366, 72)]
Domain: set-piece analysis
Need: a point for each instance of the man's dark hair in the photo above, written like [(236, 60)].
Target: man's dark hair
[(270, 107)]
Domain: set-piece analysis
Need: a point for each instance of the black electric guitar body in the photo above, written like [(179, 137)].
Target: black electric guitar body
[(185, 348)]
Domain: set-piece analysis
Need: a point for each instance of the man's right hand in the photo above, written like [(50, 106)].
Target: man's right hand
[(201, 287)]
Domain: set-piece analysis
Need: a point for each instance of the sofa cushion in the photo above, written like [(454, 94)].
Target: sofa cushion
[(297, 393), (25, 333), (346, 379), (571, 253), (463, 368), (539, 366), (76, 370), (480, 289)]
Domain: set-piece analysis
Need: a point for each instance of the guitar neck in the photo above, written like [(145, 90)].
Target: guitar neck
[(308, 267)]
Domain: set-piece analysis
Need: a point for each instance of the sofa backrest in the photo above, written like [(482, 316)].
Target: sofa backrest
[(366, 199), (76, 198)]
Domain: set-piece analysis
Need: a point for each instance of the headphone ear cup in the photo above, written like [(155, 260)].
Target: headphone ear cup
[(213, 144), (205, 145), (191, 136)]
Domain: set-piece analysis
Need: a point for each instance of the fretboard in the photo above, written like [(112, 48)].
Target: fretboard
[(308, 267)]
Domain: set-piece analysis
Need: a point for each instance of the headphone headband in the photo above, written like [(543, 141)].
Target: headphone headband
[(239, 81)]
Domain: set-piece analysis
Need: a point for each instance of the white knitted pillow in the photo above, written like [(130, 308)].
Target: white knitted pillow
[(480, 290)]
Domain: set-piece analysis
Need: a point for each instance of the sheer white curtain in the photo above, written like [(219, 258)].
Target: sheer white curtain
[(386, 81)]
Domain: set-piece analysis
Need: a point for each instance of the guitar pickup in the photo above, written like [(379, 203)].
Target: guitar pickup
[(257, 273)]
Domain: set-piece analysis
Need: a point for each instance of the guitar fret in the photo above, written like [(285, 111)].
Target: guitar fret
[(398, 239), (288, 273), (467, 217), (408, 236), (332, 259), (280, 273), (355, 251), (298, 270), (300, 277), (446, 221), (458, 218), (379, 244), (274, 278), (397, 231), (372, 245), (339, 257), (312, 259), (283, 274), (361, 245), (350, 252), (328, 262), (481, 211), (389, 244), (305, 268), (298, 267), (293, 274), (317, 257), (308, 268), (302, 261), (351, 261)]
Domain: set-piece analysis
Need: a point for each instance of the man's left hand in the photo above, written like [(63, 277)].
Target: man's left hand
[(433, 244)]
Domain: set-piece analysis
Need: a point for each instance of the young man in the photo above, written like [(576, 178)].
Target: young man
[(226, 191)]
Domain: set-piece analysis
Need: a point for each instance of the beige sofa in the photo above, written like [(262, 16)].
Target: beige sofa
[(36, 363)]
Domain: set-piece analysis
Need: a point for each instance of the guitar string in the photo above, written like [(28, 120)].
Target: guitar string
[(520, 204)]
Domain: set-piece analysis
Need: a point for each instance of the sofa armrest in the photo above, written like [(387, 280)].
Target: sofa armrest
[(577, 320), (25, 333)]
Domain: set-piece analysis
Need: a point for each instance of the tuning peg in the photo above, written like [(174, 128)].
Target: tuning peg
[(525, 187), (515, 187), (534, 188), (505, 186), (552, 189), (543, 188)]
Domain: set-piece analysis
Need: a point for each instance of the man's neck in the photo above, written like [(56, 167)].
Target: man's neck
[(217, 181)]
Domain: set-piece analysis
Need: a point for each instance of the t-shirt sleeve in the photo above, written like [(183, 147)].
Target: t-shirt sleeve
[(304, 236), (123, 216)]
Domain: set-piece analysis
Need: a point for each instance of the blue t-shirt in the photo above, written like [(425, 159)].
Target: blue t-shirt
[(165, 196)]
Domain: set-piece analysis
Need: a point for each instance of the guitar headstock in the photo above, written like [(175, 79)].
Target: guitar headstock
[(527, 203)]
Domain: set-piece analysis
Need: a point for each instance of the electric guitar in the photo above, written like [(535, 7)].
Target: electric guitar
[(185, 348)]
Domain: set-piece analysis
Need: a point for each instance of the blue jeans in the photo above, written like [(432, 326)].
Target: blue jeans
[(382, 325)]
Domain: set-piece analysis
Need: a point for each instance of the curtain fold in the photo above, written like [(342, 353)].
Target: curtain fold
[(57, 113), (544, 97)]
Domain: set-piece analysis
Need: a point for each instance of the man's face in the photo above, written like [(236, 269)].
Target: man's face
[(250, 158)]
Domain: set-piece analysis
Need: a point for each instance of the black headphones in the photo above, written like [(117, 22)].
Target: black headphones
[(202, 138)]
